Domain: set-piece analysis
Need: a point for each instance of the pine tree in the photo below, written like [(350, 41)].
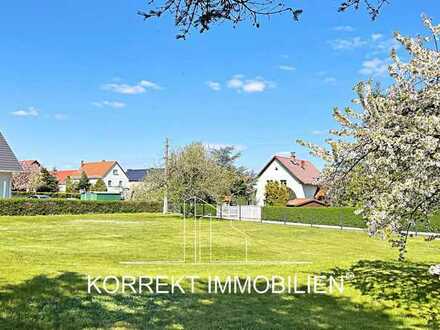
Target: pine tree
[(84, 183), (47, 182), (99, 185)]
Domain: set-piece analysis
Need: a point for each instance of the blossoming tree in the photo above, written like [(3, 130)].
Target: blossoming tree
[(394, 140)]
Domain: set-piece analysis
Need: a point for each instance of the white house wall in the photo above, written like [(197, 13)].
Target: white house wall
[(277, 172), (309, 190), (115, 179), (5, 184)]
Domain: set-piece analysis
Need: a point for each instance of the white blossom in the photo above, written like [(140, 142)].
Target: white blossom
[(395, 139)]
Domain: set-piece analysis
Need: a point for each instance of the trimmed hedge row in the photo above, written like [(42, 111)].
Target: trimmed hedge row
[(24, 194), (17, 207), (336, 216)]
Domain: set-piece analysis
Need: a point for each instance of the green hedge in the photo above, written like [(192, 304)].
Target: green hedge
[(336, 216), (24, 194), (17, 206)]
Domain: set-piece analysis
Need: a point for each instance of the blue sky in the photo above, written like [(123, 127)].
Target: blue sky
[(90, 80)]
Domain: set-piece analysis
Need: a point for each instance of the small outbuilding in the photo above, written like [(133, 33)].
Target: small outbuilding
[(305, 202), (101, 196)]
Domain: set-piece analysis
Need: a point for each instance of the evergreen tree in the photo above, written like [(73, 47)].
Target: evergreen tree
[(47, 182), (99, 185), (84, 183)]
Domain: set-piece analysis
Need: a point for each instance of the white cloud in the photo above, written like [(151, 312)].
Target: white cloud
[(149, 85), (374, 67), (385, 46), (377, 43), (235, 82), (110, 104), (29, 112), (139, 88), (214, 85), (376, 36), (319, 132), (329, 80), (61, 116), (217, 146), (347, 44), (286, 68), (256, 85), (344, 28), (124, 88)]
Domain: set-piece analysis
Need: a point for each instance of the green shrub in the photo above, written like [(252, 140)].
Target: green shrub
[(336, 216), (16, 207), (24, 194)]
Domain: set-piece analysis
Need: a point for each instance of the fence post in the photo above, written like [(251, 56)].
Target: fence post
[(239, 212)]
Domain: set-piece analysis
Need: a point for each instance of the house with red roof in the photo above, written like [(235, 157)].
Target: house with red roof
[(300, 176), (110, 172)]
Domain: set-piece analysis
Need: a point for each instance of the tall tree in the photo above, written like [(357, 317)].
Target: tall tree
[(84, 182), (99, 185), (243, 185), (225, 156), (192, 172), (202, 14), (47, 182), (394, 141), (26, 180)]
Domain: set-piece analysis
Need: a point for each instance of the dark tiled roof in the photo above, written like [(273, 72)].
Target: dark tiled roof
[(137, 175), (8, 161)]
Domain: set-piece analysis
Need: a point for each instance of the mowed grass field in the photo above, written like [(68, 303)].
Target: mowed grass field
[(45, 262)]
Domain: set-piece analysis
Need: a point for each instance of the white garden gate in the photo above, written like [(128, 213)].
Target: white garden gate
[(239, 212)]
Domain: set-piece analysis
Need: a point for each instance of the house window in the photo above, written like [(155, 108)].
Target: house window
[(109, 183), (5, 187), (284, 182), (115, 171), (120, 183)]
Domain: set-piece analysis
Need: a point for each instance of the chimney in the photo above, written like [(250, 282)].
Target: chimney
[(303, 164), (82, 163)]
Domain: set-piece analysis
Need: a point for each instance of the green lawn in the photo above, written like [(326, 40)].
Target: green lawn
[(45, 262)]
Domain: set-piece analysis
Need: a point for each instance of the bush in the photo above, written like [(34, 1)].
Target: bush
[(24, 194), (16, 207), (336, 216)]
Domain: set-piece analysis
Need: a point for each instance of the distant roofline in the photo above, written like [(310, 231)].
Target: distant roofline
[(284, 166)]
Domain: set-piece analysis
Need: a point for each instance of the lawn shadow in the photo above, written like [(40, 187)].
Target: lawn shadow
[(404, 285), (62, 302)]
